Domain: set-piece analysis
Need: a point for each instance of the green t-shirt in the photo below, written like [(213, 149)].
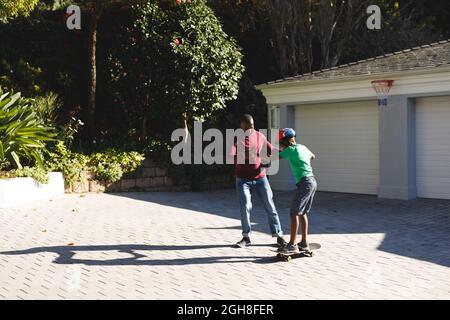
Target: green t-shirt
[(299, 158)]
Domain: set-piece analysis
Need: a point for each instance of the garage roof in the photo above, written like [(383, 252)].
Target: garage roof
[(424, 57)]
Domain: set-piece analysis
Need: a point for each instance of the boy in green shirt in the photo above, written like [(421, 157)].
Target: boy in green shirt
[(299, 158)]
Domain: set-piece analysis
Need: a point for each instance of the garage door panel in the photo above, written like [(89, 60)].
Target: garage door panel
[(367, 164), (347, 185), (357, 151), (344, 138), (433, 147), (350, 171), (331, 127)]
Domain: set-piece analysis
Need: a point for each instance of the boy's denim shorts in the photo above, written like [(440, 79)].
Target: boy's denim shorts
[(304, 196)]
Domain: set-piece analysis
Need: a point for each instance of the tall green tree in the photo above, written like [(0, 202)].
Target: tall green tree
[(179, 65), (10, 9)]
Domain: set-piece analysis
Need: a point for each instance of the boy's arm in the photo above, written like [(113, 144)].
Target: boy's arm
[(273, 153), (273, 157)]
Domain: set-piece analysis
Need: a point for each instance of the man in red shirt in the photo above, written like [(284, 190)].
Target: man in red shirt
[(251, 176)]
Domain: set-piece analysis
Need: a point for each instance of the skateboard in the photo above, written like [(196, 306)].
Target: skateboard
[(282, 256)]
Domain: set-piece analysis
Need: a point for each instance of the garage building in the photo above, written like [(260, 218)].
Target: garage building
[(398, 151)]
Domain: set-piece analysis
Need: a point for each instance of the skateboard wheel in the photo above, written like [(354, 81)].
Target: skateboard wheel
[(289, 259)]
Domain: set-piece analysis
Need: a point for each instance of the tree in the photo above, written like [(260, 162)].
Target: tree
[(179, 65), (404, 25), (93, 10), (10, 9), (298, 24), (334, 23)]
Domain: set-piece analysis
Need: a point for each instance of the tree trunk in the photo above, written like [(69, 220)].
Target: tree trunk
[(92, 77), (144, 129)]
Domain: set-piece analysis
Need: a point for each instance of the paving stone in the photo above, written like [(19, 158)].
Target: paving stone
[(179, 246)]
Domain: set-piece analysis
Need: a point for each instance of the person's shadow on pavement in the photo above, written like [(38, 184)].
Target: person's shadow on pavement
[(67, 254)]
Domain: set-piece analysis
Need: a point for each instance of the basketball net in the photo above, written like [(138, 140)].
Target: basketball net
[(382, 88)]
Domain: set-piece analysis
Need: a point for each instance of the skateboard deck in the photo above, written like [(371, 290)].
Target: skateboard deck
[(283, 256)]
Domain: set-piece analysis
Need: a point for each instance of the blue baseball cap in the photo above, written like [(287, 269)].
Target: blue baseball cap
[(286, 133)]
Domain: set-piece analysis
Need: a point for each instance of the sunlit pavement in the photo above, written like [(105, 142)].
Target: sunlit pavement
[(178, 246)]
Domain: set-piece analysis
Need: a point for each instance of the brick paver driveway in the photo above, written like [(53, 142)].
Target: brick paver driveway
[(177, 246)]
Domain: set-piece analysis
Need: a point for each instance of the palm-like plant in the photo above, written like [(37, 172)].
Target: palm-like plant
[(22, 133)]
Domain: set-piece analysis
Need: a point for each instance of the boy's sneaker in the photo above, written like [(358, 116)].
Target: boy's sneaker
[(289, 248), (281, 242), (303, 246), (245, 242)]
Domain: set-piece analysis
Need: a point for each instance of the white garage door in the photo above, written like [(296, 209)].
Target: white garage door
[(433, 147), (344, 138)]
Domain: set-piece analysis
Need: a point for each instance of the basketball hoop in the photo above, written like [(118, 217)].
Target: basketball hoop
[(382, 88)]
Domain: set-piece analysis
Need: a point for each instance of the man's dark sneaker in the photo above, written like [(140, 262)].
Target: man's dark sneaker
[(303, 246), (281, 242), (245, 242), (289, 248)]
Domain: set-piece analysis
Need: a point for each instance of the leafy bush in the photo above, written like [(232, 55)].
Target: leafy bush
[(22, 133), (74, 166), (109, 173), (108, 166), (37, 173), (47, 107), (128, 161)]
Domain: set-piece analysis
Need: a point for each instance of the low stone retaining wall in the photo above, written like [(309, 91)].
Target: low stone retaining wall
[(149, 177)]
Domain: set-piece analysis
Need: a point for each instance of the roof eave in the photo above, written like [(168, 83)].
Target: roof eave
[(384, 75)]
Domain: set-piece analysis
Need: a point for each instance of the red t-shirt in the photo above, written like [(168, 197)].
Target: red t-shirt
[(253, 146)]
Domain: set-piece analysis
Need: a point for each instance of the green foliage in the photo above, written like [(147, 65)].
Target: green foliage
[(20, 75), (42, 58), (22, 133), (10, 9), (111, 164), (208, 57), (110, 173), (38, 173), (4, 164), (108, 166), (47, 107), (173, 62), (73, 165), (69, 130), (250, 100)]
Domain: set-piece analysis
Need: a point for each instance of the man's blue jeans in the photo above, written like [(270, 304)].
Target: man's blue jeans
[(262, 188)]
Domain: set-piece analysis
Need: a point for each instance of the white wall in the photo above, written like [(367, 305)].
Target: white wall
[(23, 190)]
